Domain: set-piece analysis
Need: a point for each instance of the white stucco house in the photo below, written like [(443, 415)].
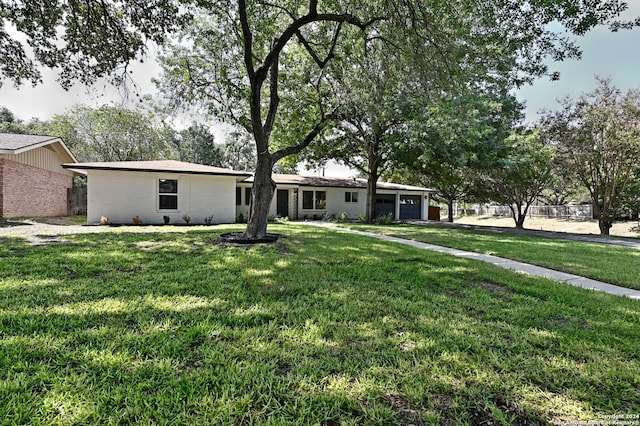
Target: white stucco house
[(154, 189), (308, 197)]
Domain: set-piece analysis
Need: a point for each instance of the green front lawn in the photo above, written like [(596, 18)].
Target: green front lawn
[(321, 328), (607, 263)]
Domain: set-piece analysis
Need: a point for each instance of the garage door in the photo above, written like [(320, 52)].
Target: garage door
[(410, 207), (385, 204)]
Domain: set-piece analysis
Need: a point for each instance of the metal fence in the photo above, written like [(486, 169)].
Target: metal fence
[(572, 211)]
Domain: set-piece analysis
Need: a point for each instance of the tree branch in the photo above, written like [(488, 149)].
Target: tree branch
[(334, 41), (317, 129), (274, 99), (247, 38), (297, 24)]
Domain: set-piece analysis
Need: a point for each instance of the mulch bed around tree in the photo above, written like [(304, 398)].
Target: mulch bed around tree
[(239, 238)]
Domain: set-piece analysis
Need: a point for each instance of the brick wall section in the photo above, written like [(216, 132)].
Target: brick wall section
[(31, 191)]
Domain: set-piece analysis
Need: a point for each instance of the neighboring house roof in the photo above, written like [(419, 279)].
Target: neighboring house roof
[(331, 182), (11, 143), (161, 166)]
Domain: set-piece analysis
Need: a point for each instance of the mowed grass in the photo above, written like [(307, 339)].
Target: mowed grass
[(321, 328), (602, 262)]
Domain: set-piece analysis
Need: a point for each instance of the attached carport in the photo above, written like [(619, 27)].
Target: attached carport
[(404, 203)]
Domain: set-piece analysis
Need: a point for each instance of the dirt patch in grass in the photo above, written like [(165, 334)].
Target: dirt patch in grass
[(401, 406), (494, 288)]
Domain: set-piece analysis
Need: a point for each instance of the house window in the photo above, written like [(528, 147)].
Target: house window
[(350, 197), (307, 200), (321, 200), (247, 196), (238, 196), (168, 194), (314, 200)]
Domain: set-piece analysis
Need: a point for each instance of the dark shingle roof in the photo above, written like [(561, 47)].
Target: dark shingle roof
[(13, 142), (332, 182)]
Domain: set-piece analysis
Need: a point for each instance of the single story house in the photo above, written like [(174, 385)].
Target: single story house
[(154, 189), (32, 180), (309, 197)]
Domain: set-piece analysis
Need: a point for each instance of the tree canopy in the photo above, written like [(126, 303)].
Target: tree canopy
[(519, 177), (196, 144), (9, 123), (598, 140), (83, 40), (234, 58), (452, 141), (111, 133)]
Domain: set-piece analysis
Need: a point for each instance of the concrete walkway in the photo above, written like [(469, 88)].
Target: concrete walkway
[(525, 268)]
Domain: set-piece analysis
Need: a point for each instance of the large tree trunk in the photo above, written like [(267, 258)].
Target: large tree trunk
[(373, 165), (605, 225), (520, 219), (372, 180), (517, 216), (450, 210), (262, 195), (522, 216), (604, 222), (595, 210)]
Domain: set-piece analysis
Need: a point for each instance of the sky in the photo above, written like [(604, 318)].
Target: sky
[(606, 54)]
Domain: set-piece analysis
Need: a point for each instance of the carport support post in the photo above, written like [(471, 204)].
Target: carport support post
[(425, 206), (397, 217)]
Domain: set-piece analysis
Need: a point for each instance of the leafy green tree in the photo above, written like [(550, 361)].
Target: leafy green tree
[(196, 144), (256, 63), (520, 176), (238, 152), (83, 40), (233, 62), (112, 134), (452, 141), (9, 123), (234, 58), (598, 138), (377, 104), (631, 197), (564, 186)]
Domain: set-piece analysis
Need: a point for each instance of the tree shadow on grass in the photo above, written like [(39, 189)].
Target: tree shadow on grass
[(157, 329), (8, 223)]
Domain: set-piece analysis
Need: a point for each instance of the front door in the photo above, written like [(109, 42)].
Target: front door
[(282, 202)]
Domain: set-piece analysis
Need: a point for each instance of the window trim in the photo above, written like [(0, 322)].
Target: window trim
[(175, 194), (349, 196), (304, 200), (314, 200), (317, 201)]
